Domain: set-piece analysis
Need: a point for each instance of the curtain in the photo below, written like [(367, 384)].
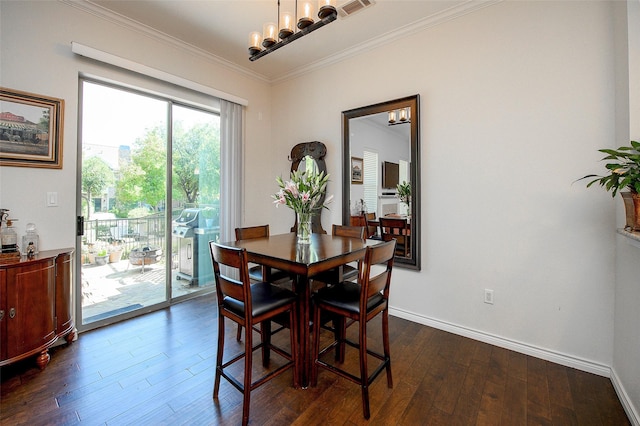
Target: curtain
[(231, 168)]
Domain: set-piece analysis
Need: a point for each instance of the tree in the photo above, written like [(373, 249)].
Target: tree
[(195, 168), (144, 179), (96, 177), (196, 163)]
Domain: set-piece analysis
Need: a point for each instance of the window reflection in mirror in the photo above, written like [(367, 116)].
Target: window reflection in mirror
[(308, 165), (385, 137)]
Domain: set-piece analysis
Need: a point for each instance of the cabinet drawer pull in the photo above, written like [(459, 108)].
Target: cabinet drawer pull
[(12, 313), (1, 314)]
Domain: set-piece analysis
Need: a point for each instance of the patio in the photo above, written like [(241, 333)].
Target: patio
[(119, 287)]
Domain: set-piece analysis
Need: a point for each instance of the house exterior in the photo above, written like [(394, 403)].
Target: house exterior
[(516, 98)]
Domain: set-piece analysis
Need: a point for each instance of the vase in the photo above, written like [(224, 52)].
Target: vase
[(304, 228), (632, 211), (115, 256)]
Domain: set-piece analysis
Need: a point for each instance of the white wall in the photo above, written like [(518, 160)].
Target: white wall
[(390, 143), (626, 349), (516, 100), (36, 57)]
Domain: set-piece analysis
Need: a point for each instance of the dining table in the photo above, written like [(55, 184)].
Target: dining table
[(303, 261)]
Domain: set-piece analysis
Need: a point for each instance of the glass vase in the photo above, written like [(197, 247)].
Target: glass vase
[(304, 228)]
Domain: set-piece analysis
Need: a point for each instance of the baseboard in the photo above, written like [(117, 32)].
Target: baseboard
[(556, 357), (625, 400)]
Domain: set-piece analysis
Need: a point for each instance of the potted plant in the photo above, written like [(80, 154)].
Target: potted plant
[(404, 194), (623, 165), (115, 252), (101, 257)]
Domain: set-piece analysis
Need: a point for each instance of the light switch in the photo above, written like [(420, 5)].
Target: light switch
[(52, 199)]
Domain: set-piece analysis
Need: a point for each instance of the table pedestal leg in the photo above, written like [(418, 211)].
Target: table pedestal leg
[(304, 345)]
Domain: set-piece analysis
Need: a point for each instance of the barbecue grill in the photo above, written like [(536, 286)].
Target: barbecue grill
[(193, 236)]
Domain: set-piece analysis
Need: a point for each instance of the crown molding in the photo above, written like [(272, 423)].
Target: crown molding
[(446, 15), (431, 21), (131, 24)]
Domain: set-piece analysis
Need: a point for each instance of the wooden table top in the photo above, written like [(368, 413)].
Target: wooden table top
[(282, 252)]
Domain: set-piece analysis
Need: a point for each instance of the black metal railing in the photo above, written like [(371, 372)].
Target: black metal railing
[(125, 233)]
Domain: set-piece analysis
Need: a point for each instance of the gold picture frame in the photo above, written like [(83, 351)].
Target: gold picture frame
[(30, 129), (357, 167)]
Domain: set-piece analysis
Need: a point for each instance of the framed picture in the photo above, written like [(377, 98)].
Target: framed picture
[(356, 170), (30, 130)]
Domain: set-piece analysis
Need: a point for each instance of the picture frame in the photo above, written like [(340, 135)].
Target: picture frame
[(30, 129), (357, 167)]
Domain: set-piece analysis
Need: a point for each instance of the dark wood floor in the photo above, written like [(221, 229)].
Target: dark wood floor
[(158, 369)]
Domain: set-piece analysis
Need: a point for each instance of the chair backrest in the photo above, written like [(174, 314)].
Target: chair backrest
[(379, 254), (349, 231), (371, 229), (391, 228), (247, 233), (235, 259)]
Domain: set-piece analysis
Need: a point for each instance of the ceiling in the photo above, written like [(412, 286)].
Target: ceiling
[(220, 28)]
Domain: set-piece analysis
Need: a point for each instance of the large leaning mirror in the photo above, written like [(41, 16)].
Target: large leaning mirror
[(309, 157), (381, 174)]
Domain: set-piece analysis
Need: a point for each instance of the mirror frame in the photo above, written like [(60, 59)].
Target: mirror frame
[(412, 102)]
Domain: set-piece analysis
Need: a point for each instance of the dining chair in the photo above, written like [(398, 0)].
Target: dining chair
[(258, 273), (397, 229), (330, 277), (359, 301), (248, 305), (372, 229)]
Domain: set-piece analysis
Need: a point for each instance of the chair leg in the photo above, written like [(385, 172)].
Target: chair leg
[(265, 335), (386, 346), (364, 375), (216, 384), (239, 333), (340, 334), (248, 363)]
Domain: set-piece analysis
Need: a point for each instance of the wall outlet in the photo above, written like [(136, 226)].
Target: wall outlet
[(488, 296)]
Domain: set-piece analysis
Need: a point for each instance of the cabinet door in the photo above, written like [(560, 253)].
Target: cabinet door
[(30, 307), (3, 314), (63, 294)]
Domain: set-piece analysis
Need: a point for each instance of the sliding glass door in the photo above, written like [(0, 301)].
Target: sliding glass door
[(150, 178)]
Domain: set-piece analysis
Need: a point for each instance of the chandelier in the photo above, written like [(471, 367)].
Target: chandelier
[(265, 43), (399, 116)]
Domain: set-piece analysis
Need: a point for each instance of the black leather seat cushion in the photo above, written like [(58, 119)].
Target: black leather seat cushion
[(255, 273), (264, 297), (347, 296), (331, 277)]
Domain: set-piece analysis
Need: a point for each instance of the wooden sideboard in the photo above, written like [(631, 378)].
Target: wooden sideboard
[(35, 305)]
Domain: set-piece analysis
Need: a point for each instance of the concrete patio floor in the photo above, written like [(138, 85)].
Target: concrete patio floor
[(119, 287)]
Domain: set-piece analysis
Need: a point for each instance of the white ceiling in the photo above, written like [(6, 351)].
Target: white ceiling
[(220, 28)]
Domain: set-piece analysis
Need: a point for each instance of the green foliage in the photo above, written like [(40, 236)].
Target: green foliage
[(196, 163), (195, 171), (144, 179), (43, 124), (96, 177), (404, 191), (138, 212), (624, 169)]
